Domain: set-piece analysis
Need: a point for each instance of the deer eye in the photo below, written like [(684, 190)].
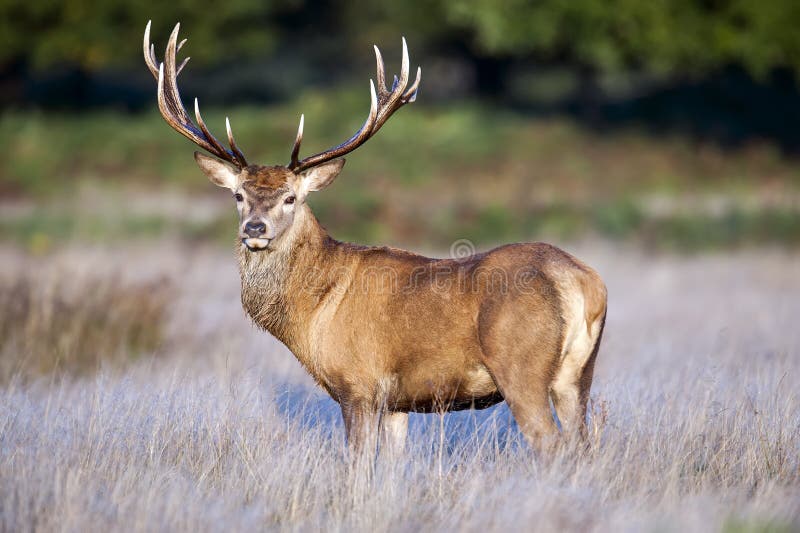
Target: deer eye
[(289, 200), (238, 197)]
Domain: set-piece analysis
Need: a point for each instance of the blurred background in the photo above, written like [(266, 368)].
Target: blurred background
[(666, 127)]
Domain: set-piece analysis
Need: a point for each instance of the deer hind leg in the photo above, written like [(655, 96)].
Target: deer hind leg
[(523, 367), (573, 381), (531, 410), (525, 390)]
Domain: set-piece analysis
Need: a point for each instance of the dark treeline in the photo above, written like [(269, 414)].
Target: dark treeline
[(721, 68)]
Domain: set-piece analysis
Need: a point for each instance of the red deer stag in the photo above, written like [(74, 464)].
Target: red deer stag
[(385, 331)]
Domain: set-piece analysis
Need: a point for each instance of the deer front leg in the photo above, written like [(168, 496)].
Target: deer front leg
[(361, 426)]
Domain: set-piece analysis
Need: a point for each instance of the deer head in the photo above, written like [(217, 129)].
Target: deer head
[(267, 197)]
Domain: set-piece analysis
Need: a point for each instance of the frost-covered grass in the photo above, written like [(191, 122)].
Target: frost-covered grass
[(696, 426)]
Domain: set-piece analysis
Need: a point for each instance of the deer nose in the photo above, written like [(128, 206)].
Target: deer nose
[(255, 228)]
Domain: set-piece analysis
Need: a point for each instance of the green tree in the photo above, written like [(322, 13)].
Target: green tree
[(664, 36), (100, 33), (667, 36)]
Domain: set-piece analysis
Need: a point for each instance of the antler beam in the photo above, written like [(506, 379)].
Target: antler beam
[(383, 104), (171, 105)]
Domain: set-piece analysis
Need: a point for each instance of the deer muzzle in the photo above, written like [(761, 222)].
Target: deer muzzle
[(256, 234)]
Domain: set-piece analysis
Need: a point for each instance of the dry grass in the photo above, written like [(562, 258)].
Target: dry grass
[(695, 427), (55, 319)]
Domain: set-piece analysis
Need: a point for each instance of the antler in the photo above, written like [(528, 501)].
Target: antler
[(171, 106), (382, 105)]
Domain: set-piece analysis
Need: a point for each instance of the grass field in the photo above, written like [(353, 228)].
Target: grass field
[(199, 422), (433, 175)]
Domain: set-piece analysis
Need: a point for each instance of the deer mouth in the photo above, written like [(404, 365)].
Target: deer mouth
[(255, 244)]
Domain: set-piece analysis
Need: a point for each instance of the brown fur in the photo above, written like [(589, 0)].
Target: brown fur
[(386, 330)]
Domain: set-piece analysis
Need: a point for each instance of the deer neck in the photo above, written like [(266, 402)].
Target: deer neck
[(279, 286)]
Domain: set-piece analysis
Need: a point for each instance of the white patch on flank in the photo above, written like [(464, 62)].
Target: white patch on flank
[(578, 338)]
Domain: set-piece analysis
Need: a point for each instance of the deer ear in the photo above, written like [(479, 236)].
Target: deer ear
[(220, 173), (319, 177)]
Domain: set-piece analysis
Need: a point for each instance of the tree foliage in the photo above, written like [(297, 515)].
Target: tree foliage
[(97, 34), (673, 36), (665, 36)]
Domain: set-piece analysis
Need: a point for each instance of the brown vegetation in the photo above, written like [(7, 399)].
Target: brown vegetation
[(54, 320)]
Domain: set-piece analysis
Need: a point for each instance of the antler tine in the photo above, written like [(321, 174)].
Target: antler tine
[(381, 75), (171, 105), (297, 141), (235, 149), (396, 97), (382, 106), (149, 52), (404, 65), (411, 94), (183, 63)]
